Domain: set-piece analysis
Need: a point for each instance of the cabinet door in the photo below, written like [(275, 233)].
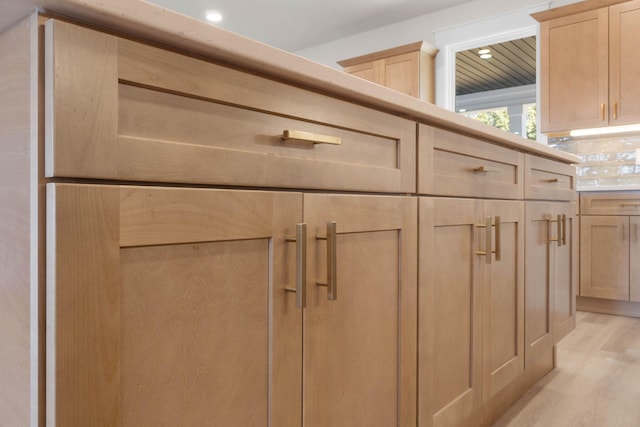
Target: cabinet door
[(634, 257), (503, 298), (541, 236), (604, 257), (167, 306), (360, 346), (624, 64), (574, 71), (402, 73), (450, 330), (565, 272)]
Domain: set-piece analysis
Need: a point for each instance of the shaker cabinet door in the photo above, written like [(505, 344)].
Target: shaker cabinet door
[(167, 306), (360, 319)]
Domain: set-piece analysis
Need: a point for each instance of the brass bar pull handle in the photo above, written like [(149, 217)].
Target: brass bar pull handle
[(301, 265), (552, 180), (485, 169), (564, 229), (559, 221), (602, 111), (311, 137), (498, 252), (332, 262), (615, 111), (487, 240)]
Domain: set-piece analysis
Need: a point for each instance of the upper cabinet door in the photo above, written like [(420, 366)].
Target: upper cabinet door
[(167, 306), (360, 320), (118, 109), (624, 65), (574, 71)]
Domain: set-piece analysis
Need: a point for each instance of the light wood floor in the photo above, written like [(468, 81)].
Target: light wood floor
[(596, 383)]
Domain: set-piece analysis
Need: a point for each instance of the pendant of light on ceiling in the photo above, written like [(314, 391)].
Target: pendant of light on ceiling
[(484, 53)]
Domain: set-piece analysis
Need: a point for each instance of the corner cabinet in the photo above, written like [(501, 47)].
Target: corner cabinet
[(588, 69)]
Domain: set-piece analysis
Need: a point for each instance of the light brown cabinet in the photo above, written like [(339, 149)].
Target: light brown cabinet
[(408, 69), (190, 243), (185, 283), (610, 246), (588, 65), (551, 253), (471, 322)]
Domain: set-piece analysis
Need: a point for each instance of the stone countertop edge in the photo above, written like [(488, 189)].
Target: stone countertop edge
[(142, 20)]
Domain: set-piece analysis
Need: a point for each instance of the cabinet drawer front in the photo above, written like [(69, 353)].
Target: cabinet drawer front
[(451, 164), (614, 203), (548, 180), (118, 109)]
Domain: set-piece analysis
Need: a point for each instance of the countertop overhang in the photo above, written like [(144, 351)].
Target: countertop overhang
[(146, 21)]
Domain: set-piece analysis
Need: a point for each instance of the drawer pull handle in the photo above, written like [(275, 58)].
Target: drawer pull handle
[(487, 240), (301, 265), (484, 169), (550, 180), (332, 264), (311, 137)]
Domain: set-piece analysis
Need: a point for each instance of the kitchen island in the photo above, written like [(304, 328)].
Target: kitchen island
[(199, 229)]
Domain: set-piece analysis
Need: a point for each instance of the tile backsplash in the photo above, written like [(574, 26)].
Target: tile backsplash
[(606, 161)]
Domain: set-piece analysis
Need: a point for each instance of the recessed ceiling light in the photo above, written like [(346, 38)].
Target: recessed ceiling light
[(483, 51), (485, 56), (213, 16)]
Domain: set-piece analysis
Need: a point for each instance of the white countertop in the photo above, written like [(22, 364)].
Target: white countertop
[(143, 20)]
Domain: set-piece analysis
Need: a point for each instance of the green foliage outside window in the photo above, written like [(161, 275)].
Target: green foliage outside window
[(495, 118)]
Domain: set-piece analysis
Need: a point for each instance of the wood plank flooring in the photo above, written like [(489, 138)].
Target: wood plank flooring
[(596, 382)]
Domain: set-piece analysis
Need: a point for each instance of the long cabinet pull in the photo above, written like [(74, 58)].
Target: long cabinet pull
[(311, 137), (615, 111), (487, 240), (558, 222), (301, 265), (332, 262), (485, 169), (498, 251), (602, 116), (564, 229)]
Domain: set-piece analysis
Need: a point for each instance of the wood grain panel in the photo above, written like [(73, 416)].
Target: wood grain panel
[(604, 257), (624, 66), (80, 101), (191, 315), (539, 297), (574, 71), (450, 314), (368, 335), (152, 215), (402, 73), (565, 277), (83, 305), (546, 179), (503, 301), (448, 162)]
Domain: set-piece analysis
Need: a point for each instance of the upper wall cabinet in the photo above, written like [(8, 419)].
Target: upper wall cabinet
[(588, 66), (408, 69)]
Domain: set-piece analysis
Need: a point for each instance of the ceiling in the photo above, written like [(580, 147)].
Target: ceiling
[(297, 24), (512, 64)]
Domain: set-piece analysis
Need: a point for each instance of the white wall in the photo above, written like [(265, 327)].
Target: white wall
[(424, 27)]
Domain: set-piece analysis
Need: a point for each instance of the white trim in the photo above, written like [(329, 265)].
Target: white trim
[(449, 74), (446, 76)]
